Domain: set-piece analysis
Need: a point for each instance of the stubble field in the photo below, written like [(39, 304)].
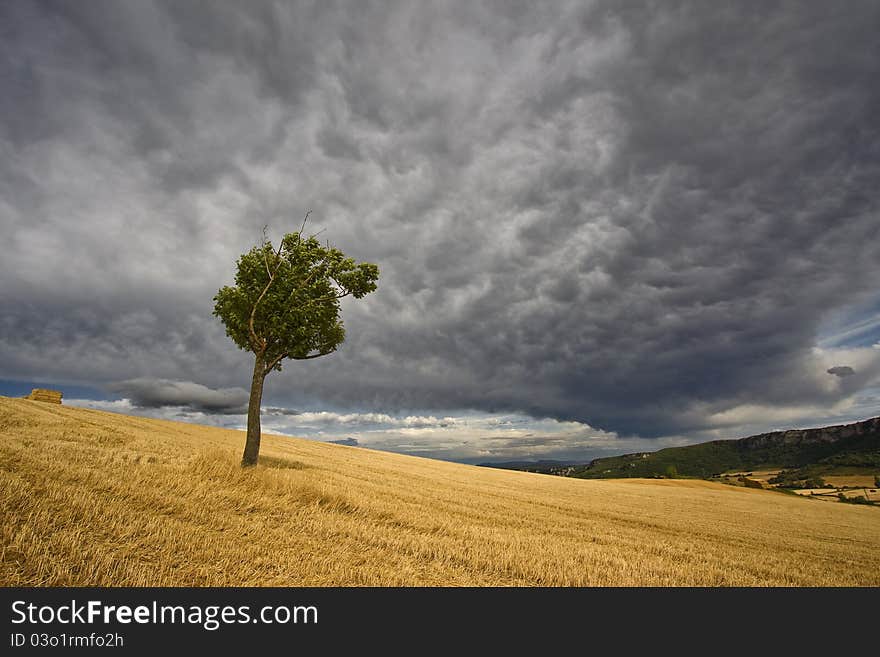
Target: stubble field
[(95, 498)]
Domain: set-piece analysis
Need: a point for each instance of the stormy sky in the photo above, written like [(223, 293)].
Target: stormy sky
[(600, 226)]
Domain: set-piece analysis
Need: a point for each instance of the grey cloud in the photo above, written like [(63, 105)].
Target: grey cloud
[(841, 370), (351, 442), (274, 410), (336, 145), (631, 215), (158, 393)]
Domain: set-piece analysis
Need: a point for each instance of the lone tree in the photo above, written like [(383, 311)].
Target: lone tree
[(285, 304)]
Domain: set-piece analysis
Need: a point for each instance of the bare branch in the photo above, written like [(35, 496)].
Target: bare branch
[(303, 227), (265, 242), (256, 341), (282, 356), (318, 355), (330, 298), (274, 362)]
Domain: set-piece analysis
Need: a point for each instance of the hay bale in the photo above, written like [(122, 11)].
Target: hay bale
[(44, 395)]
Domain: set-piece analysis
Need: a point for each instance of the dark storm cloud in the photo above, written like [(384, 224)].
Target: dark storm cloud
[(841, 370), (351, 442), (635, 216), (158, 393)]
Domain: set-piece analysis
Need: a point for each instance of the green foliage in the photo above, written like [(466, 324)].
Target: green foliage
[(811, 476), (704, 460), (802, 460), (855, 499), (671, 472), (285, 301), (806, 477), (862, 459)]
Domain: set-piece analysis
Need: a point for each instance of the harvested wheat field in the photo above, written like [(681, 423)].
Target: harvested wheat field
[(95, 498), (856, 481)]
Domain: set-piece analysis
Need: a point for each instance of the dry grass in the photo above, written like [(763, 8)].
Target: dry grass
[(872, 494), (756, 475), (855, 481), (94, 498)]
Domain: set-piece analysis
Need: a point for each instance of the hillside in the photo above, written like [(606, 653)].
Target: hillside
[(95, 498), (851, 446)]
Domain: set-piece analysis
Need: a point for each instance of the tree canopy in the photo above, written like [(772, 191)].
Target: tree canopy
[(285, 301)]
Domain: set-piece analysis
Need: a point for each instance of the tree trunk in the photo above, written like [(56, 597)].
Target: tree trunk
[(252, 444)]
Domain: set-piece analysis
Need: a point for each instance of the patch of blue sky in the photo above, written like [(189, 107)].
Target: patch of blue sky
[(856, 327)]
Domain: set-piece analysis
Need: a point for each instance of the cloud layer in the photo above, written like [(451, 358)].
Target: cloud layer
[(159, 393), (472, 437), (638, 218)]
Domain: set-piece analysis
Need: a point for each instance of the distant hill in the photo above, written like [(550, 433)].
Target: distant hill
[(847, 445), (547, 466)]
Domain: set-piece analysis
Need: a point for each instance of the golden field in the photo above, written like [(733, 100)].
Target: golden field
[(95, 498), (856, 481)]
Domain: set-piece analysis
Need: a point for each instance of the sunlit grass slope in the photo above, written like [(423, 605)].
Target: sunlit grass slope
[(94, 498)]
